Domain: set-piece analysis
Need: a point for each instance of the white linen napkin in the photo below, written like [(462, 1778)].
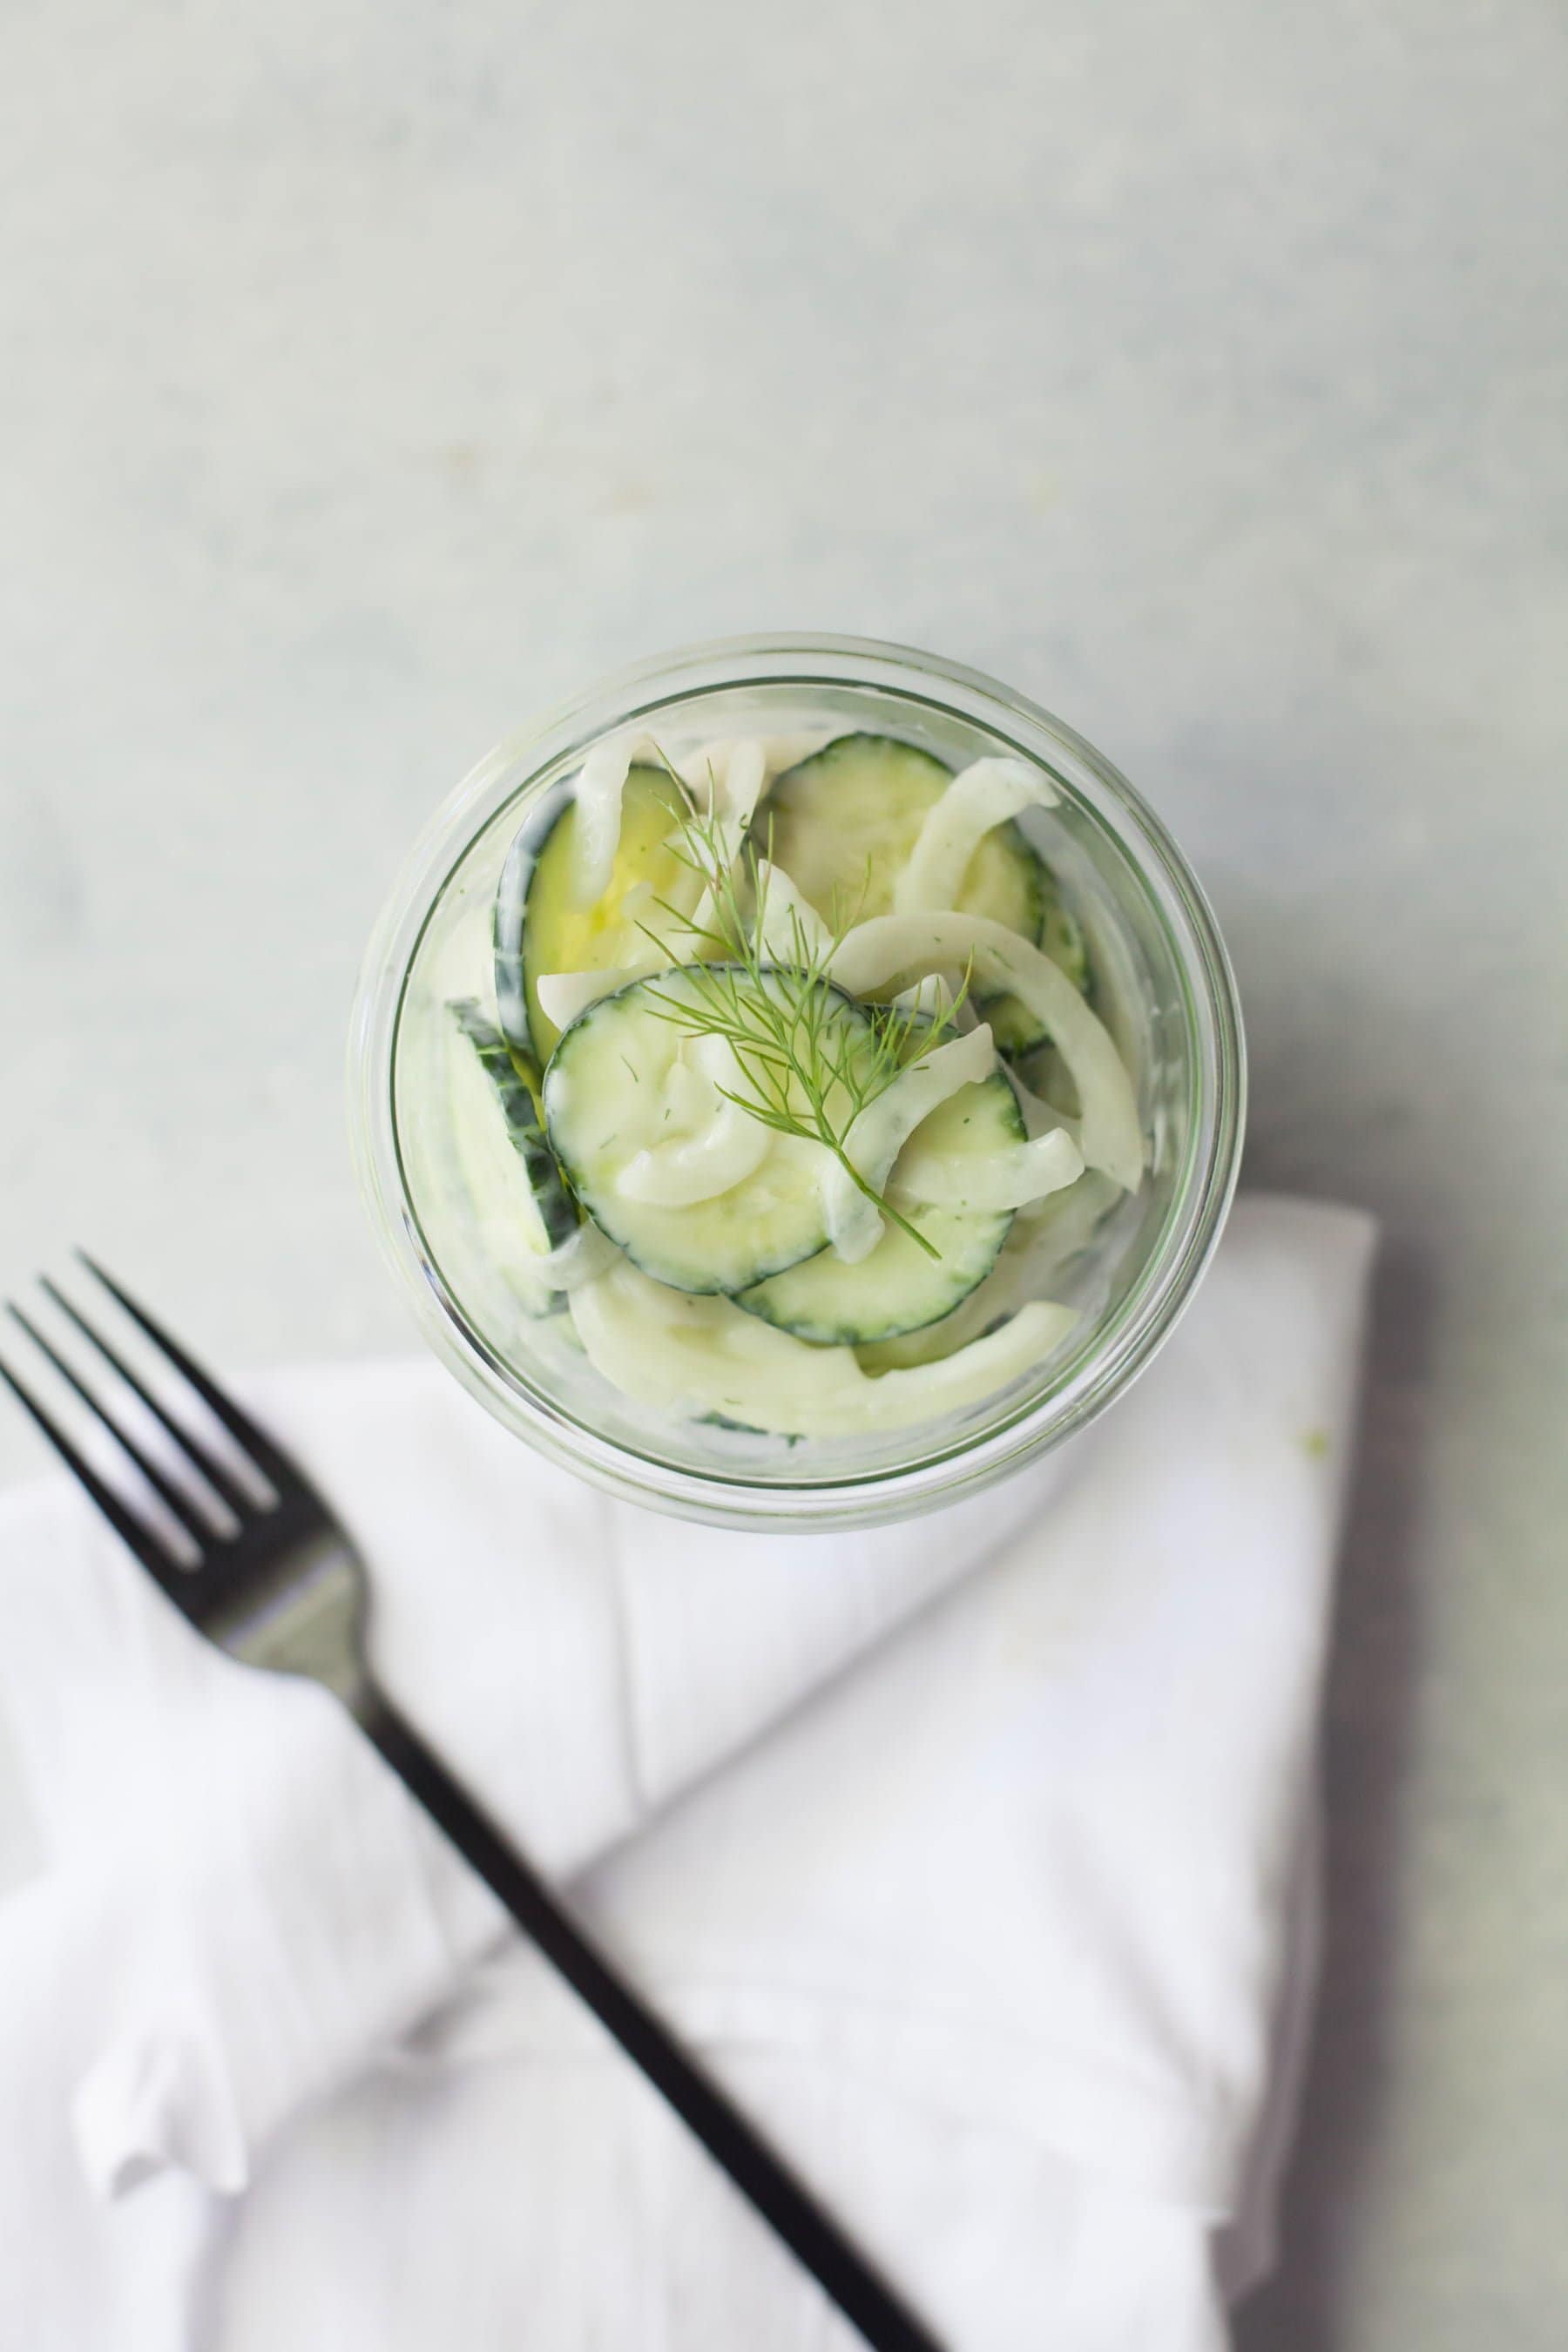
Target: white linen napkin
[(997, 1915)]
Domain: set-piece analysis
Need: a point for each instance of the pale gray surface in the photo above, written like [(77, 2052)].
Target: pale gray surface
[(1200, 367)]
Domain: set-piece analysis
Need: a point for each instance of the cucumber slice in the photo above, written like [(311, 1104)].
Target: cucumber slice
[(897, 1287), (540, 925), (1032, 1257), (519, 1201), (697, 1192), (843, 826), (881, 1131)]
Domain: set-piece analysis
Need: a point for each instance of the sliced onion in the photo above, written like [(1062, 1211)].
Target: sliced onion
[(1004, 1179), (1040, 1117), (729, 775), (668, 1350), (986, 795), (930, 999), (582, 1258), (598, 801), (726, 778), (893, 947), (563, 994), (707, 772), (854, 1224), (745, 773), (791, 930), (885, 1126)]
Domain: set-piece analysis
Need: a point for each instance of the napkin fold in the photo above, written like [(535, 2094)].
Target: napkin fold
[(971, 1852)]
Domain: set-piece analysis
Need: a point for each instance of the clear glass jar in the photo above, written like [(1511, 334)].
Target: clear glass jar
[(1163, 985)]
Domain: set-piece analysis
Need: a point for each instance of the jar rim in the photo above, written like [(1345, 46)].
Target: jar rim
[(1172, 1266)]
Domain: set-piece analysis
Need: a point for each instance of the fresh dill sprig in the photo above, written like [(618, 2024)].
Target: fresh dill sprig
[(807, 1069)]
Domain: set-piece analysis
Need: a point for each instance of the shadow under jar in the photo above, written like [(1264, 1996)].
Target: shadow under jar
[(1125, 1261)]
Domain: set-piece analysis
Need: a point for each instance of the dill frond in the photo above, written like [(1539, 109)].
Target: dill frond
[(808, 1066)]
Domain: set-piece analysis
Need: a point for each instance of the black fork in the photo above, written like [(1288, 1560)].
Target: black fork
[(280, 1587)]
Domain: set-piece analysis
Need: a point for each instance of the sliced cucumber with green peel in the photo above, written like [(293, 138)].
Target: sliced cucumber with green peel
[(899, 1288), (1030, 1261), (540, 927), (519, 1200), (697, 1192), (843, 824)]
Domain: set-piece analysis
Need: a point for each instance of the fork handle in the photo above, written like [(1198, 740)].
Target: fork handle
[(814, 2236)]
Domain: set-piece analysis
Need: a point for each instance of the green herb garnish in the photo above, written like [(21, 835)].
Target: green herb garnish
[(809, 1072)]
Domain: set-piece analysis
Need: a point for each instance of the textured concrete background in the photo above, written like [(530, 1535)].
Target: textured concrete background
[(370, 376)]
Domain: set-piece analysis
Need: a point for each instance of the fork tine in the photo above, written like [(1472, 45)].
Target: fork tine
[(179, 1505), (126, 1524), (221, 1480), (273, 1465)]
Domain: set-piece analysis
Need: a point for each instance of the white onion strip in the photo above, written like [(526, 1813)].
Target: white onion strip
[(730, 775), (895, 947), (583, 1257), (885, 1126), (597, 795), (790, 930), (563, 994), (876, 1138), (714, 772), (1040, 1117), (705, 1355), (1004, 1179), (981, 797)]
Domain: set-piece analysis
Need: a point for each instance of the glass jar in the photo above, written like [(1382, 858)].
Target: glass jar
[(1163, 986)]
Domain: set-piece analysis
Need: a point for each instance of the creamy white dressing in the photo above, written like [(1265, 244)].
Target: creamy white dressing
[(716, 1144), (988, 793), (888, 947)]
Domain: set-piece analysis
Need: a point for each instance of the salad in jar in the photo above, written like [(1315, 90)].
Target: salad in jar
[(789, 1079)]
